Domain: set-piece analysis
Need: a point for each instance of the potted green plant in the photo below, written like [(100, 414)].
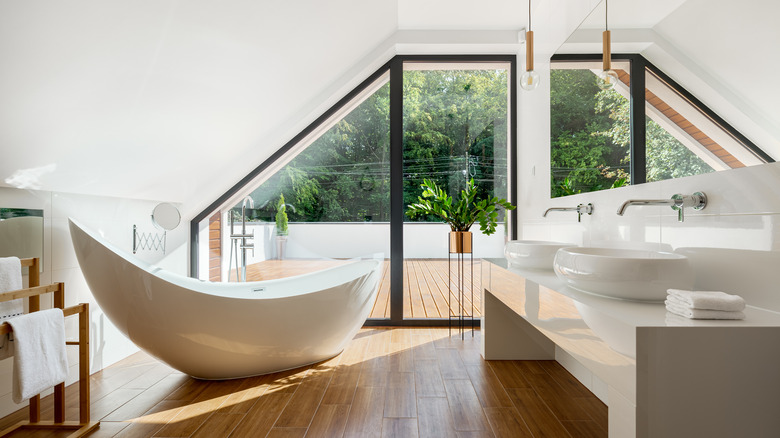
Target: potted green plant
[(460, 215), (282, 229)]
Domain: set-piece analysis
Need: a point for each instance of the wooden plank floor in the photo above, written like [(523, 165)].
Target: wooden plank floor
[(425, 285), (401, 382)]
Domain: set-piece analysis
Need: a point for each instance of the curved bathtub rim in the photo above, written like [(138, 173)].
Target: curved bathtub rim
[(208, 348), (197, 286)]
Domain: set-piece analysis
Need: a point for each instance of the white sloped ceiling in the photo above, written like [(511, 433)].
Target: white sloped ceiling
[(160, 99)]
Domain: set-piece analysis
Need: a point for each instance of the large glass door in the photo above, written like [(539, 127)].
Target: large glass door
[(341, 188), (455, 129)]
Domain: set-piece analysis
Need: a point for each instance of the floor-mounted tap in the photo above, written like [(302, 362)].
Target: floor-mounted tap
[(243, 245), (678, 202), (580, 209)]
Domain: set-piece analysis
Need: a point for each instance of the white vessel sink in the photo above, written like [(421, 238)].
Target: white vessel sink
[(532, 254), (629, 274)]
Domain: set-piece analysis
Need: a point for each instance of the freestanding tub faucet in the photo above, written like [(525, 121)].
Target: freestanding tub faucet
[(238, 242), (678, 202), (244, 244), (580, 209)]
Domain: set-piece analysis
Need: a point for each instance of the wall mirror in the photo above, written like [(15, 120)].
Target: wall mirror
[(649, 126), (21, 233), (166, 216)]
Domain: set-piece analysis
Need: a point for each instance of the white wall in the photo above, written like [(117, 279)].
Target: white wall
[(742, 213), (462, 14), (114, 218), (365, 239)]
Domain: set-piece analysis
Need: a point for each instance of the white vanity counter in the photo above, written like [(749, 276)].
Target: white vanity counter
[(667, 375)]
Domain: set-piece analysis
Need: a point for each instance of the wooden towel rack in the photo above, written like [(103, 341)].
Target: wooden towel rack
[(33, 293)]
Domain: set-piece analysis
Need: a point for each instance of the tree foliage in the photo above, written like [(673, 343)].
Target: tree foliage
[(455, 129), (584, 156), (590, 139), (281, 217)]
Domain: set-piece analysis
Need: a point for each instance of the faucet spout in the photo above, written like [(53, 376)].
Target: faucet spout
[(678, 203), (630, 202), (558, 209), (251, 202), (580, 209)]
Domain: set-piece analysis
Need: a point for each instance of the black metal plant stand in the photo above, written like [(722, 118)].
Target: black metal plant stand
[(460, 245)]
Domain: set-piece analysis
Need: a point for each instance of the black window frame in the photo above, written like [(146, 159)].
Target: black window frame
[(638, 132), (395, 69)]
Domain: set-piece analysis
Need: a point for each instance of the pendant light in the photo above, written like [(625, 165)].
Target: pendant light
[(530, 79), (607, 77)]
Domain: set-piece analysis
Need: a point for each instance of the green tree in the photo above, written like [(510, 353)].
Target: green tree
[(581, 157), (450, 115), (590, 138), (666, 157), (455, 129)]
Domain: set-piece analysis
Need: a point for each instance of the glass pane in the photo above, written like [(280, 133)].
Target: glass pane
[(455, 130), (324, 203), (682, 140), (589, 129), (21, 233)]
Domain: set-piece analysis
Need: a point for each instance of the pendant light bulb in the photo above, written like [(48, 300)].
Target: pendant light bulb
[(607, 77), (530, 79)]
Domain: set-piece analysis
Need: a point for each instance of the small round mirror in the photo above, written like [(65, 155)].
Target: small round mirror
[(165, 216)]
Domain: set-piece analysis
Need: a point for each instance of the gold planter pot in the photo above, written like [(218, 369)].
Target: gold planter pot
[(460, 242)]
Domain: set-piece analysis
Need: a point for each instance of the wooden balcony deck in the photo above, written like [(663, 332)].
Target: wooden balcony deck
[(425, 284)]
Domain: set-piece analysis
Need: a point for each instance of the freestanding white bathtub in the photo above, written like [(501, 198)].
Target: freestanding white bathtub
[(228, 330)]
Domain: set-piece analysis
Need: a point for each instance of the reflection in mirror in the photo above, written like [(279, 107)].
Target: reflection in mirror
[(650, 127), (588, 138), (21, 233)]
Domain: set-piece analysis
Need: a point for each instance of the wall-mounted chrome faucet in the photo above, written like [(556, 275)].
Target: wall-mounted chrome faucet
[(678, 202), (580, 209)]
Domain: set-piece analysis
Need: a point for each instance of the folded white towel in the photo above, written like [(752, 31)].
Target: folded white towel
[(676, 300), (675, 320), (702, 313), (10, 279), (707, 300), (40, 360)]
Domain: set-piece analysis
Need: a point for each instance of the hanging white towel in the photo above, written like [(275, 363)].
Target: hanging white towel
[(6, 346), (707, 300), (10, 279), (40, 359), (702, 313)]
